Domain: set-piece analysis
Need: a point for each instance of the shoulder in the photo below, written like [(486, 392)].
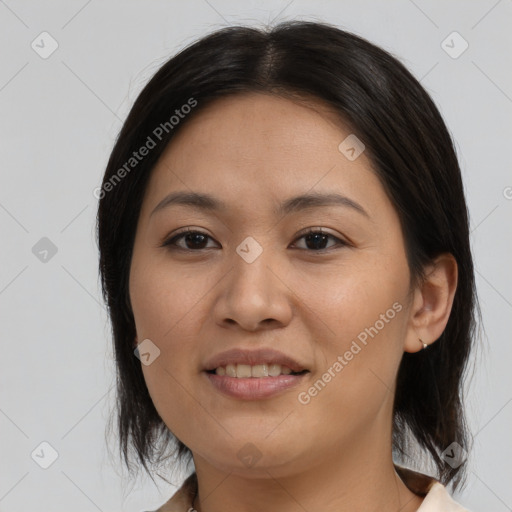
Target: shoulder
[(439, 500), (182, 499), (436, 496)]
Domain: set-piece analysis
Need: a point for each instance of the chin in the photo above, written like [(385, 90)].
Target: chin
[(254, 457)]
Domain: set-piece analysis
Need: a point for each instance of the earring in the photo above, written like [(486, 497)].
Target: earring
[(424, 344)]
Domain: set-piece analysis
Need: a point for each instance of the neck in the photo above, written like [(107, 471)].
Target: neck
[(356, 478)]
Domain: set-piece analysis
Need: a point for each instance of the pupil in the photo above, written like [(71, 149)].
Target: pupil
[(317, 238), (195, 237)]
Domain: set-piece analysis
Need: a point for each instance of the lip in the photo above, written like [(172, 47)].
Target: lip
[(253, 388), (253, 357)]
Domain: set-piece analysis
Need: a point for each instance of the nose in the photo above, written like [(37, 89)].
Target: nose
[(253, 296)]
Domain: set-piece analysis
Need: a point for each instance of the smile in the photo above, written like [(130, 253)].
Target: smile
[(241, 371)]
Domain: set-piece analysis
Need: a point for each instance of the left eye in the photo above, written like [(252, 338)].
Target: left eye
[(315, 240)]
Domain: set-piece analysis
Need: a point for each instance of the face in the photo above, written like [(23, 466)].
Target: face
[(322, 285)]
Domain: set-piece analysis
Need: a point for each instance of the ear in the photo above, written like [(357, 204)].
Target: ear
[(432, 303)]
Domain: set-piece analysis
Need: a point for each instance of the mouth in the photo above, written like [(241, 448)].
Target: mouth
[(257, 371), (253, 375)]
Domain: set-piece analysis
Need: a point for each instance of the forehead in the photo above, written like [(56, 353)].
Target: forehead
[(276, 121), (256, 145)]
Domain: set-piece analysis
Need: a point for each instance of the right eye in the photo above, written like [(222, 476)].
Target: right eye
[(194, 240)]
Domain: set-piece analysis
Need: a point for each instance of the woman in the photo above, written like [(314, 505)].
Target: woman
[(284, 250)]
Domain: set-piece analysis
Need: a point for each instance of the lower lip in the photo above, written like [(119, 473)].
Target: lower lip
[(252, 388)]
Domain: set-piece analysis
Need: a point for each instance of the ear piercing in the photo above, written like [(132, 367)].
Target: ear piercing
[(424, 344)]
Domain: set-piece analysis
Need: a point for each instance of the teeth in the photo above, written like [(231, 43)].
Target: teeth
[(258, 370), (243, 370)]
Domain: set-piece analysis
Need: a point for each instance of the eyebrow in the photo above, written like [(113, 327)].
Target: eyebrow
[(310, 200)]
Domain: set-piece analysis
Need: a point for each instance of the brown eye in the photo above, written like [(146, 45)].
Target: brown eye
[(192, 240), (316, 240)]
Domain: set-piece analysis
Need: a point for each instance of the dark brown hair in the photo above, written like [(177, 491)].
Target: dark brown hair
[(412, 153)]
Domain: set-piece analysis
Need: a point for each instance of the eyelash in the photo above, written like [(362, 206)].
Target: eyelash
[(170, 243)]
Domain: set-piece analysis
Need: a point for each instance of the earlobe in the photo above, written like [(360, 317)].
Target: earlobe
[(432, 304)]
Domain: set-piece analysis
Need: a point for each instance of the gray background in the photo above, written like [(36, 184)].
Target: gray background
[(59, 118)]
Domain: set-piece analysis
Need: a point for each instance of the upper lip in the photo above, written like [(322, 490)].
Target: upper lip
[(253, 357)]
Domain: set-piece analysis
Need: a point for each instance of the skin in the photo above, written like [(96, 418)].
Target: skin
[(253, 151)]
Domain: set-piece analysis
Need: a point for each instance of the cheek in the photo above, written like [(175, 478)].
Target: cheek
[(345, 299), (357, 314), (162, 295), (168, 308)]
